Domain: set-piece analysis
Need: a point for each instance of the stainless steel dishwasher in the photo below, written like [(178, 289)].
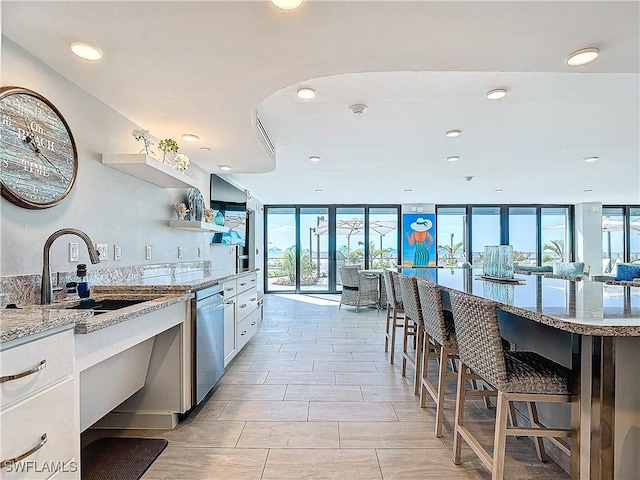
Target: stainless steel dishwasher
[(208, 340)]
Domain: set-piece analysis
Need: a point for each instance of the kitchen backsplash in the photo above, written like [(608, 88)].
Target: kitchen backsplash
[(25, 289)]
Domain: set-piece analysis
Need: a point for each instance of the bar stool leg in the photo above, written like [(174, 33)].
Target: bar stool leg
[(418, 358), (425, 369), (500, 439), (394, 319), (442, 378), (386, 333), (534, 421), (459, 420), (405, 346)]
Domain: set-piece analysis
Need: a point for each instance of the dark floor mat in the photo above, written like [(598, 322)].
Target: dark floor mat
[(120, 458)]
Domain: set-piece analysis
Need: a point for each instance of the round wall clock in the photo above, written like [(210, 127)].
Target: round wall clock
[(38, 156)]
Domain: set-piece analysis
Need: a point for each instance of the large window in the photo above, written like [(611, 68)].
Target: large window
[(620, 236), (523, 234), (485, 230), (539, 234), (451, 232), (307, 245)]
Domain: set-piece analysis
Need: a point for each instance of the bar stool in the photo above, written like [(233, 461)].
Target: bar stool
[(517, 376), (413, 322), (439, 337), (395, 312)]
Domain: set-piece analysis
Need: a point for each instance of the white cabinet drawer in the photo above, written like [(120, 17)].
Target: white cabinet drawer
[(24, 425), (246, 282), (229, 289), (246, 302), (246, 329), (49, 358)]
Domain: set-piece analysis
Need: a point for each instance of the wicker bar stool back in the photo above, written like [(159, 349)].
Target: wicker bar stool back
[(517, 375), (412, 320), (395, 314), (439, 343)]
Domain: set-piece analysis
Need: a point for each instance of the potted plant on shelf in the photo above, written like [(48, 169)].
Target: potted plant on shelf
[(167, 146)]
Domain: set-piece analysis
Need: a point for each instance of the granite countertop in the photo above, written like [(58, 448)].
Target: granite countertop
[(18, 323), (184, 282)]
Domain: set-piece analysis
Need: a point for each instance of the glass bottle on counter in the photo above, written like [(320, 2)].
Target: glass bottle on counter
[(83, 282)]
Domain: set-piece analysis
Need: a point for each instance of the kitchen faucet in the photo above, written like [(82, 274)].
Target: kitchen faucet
[(46, 290)]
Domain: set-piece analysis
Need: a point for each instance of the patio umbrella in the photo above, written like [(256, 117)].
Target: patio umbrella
[(615, 225), (355, 226)]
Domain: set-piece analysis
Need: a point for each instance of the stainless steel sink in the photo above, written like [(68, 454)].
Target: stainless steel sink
[(104, 306)]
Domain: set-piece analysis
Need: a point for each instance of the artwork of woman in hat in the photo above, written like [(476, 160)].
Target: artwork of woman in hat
[(422, 239)]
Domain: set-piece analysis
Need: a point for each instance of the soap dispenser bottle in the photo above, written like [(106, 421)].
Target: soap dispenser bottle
[(83, 283)]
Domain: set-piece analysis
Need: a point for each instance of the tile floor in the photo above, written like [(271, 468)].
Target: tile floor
[(313, 396)]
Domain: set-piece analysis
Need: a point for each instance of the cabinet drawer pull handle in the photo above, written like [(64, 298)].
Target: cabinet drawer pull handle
[(253, 323), (253, 280), (230, 289), (243, 284), (229, 302), (242, 305), (31, 371), (10, 461), (253, 299), (244, 332)]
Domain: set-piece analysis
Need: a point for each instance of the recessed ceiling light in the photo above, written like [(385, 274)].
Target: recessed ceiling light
[(314, 159), (590, 159), (306, 93), (498, 190), (407, 190), (496, 93), (205, 148), (453, 133), (582, 57), (318, 190), (86, 51), (588, 191), (287, 4), (225, 167), (190, 137), (453, 158), (358, 109)]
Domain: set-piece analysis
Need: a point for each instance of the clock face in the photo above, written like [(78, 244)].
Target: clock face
[(38, 157)]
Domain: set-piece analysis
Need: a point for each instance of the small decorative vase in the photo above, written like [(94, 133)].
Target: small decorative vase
[(219, 219)]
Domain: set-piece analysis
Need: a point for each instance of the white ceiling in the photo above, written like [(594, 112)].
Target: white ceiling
[(422, 68)]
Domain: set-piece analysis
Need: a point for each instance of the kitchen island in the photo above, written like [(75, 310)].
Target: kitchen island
[(592, 328)]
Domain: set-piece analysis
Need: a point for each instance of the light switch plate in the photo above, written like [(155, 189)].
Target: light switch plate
[(102, 250), (147, 252), (117, 252), (73, 252), (179, 252), (199, 252)]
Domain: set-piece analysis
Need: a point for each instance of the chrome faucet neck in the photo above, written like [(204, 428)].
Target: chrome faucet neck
[(46, 289)]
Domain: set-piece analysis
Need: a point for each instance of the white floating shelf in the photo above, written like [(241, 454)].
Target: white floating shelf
[(199, 226), (149, 169)]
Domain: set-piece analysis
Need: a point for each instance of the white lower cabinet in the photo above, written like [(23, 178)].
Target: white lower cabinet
[(230, 345), (40, 434), (241, 314)]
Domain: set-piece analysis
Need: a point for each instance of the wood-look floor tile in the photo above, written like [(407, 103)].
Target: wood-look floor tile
[(187, 463), (280, 366), (351, 411), (255, 392), (388, 435), (356, 378), (290, 435), (329, 393), (243, 378), (344, 366), (427, 463), (317, 464), (265, 411)]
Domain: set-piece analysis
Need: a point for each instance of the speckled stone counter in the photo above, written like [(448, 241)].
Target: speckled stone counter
[(19, 323), (184, 282), (585, 307)]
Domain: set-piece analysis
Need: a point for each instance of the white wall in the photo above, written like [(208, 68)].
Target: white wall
[(588, 236), (110, 206)]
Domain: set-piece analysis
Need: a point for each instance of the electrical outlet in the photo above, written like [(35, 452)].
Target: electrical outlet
[(147, 252), (73, 252), (102, 250), (199, 252), (117, 252), (179, 252)]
